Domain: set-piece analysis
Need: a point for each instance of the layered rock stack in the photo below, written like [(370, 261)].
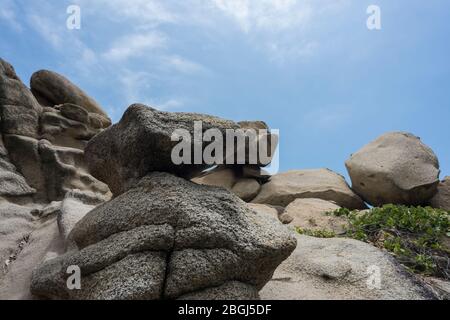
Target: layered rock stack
[(45, 143), (43, 133), (163, 236), (245, 180)]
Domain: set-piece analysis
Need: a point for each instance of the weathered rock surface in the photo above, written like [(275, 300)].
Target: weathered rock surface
[(51, 170), (342, 269), (141, 143), (313, 214), (168, 238), (55, 89), (232, 290), (16, 223), (41, 159), (323, 184), (442, 198), (74, 207), (19, 110), (12, 184), (396, 168)]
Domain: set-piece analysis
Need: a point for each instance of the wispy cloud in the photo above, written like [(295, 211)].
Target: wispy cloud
[(267, 15), (8, 15), (135, 45), (182, 65)]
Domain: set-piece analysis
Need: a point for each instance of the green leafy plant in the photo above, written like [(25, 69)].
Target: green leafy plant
[(316, 233), (416, 236)]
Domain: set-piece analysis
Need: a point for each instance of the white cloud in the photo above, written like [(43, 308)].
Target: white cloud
[(143, 13), (135, 45), (8, 14), (136, 88), (182, 65), (268, 15), (46, 29)]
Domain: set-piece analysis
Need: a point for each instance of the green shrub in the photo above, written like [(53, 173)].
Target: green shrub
[(416, 236), (316, 233)]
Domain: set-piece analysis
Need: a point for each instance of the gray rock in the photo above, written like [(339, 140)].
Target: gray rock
[(11, 182), (323, 184), (65, 132), (246, 189), (342, 269), (312, 214), (74, 112), (72, 210), (19, 110), (57, 90), (396, 168), (24, 153), (97, 121), (51, 170), (442, 198), (41, 241), (232, 290), (270, 211), (205, 237), (141, 143)]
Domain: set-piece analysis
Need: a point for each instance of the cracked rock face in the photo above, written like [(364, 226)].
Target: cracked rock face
[(169, 238)]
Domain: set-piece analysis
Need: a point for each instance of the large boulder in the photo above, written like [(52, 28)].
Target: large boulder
[(323, 184), (19, 110), (342, 269), (56, 89), (314, 214), (396, 168), (142, 142), (169, 238), (442, 198)]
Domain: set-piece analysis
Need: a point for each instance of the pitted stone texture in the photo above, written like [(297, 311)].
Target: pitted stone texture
[(207, 236), (142, 142)]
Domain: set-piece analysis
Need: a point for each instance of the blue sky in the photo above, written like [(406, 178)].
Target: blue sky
[(310, 68)]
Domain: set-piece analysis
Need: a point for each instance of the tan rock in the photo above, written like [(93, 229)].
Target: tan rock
[(312, 214), (442, 198), (246, 189), (324, 184), (396, 168)]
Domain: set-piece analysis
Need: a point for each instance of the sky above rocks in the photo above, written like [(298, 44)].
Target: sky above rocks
[(310, 68)]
